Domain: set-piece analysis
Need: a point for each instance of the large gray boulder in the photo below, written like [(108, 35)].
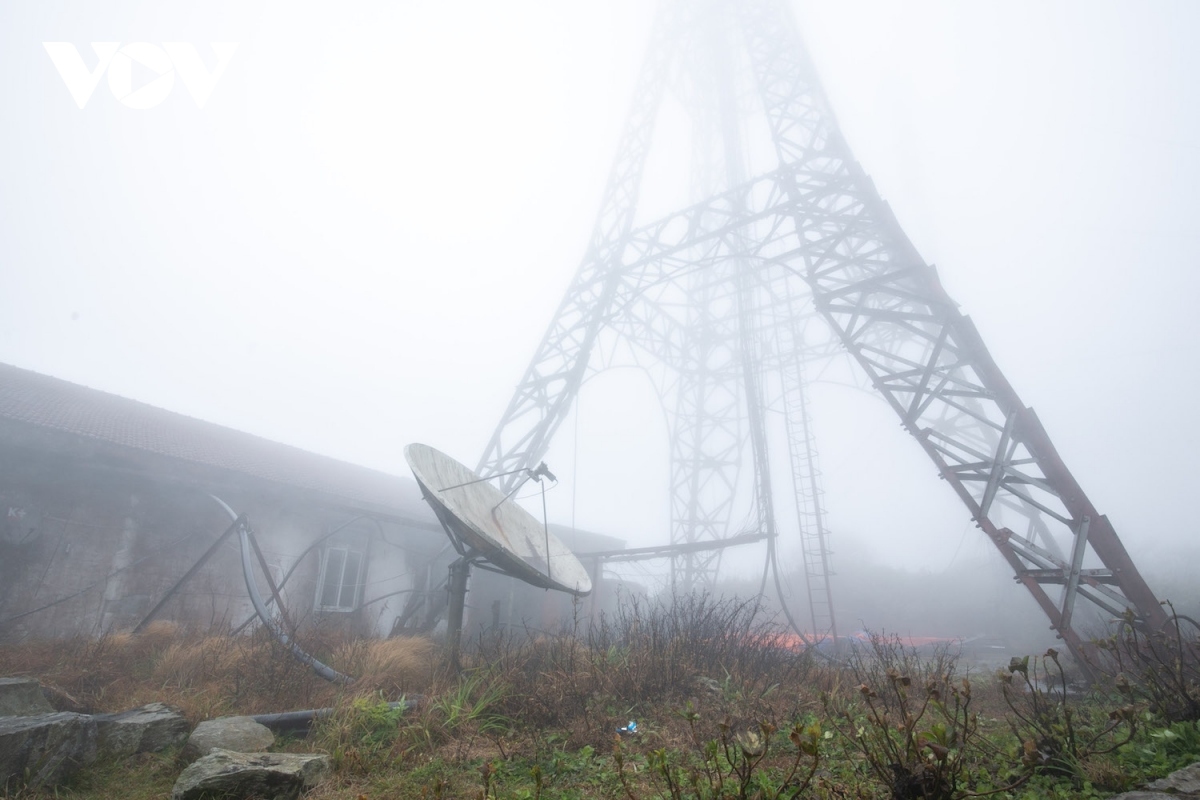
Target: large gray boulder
[(45, 750), (22, 697), (271, 776), (1182, 781), (147, 729), (238, 734)]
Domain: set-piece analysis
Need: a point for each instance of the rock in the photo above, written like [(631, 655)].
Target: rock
[(1139, 795), (45, 750), (272, 776), (147, 729), (22, 697), (237, 734), (1181, 781)]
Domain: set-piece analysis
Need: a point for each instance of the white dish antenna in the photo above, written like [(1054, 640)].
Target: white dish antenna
[(486, 524)]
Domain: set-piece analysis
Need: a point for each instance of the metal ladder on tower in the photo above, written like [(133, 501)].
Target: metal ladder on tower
[(806, 475)]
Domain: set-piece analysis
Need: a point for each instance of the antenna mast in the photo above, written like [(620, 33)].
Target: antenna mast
[(721, 293)]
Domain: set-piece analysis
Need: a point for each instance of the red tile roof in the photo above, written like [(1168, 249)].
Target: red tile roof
[(58, 405)]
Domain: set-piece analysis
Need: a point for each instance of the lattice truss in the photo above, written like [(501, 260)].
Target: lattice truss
[(720, 299)]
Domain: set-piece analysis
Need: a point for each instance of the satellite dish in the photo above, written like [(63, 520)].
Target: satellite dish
[(485, 524)]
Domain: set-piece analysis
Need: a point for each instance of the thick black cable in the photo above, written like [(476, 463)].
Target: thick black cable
[(773, 565), (325, 671), (260, 608)]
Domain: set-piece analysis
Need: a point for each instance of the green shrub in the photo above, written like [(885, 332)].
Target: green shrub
[(1058, 733), (1160, 668), (360, 735)]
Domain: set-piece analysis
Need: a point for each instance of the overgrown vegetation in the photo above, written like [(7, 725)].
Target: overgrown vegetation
[(1160, 668), (214, 674), (1060, 736), (909, 720), (722, 707)]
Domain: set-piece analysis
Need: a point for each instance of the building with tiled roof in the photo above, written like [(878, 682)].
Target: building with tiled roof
[(96, 419), (105, 504)]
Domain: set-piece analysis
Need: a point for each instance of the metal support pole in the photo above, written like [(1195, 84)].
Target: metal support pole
[(456, 587), (278, 598), (200, 562), (1072, 582), (594, 598)]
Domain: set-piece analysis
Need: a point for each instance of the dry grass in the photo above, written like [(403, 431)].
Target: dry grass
[(214, 674), (393, 667), (691, 670), (649, 656)]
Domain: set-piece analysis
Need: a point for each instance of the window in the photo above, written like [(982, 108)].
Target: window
[(341, 579)]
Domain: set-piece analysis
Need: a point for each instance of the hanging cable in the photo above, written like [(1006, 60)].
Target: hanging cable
[(94, 584), (546, 527), (575, 464), (809, 647), (299, 559)]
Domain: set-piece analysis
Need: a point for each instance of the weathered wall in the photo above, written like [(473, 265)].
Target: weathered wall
[(112, 539)]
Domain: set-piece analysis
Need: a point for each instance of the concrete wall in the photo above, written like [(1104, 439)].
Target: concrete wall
[(100, 542)]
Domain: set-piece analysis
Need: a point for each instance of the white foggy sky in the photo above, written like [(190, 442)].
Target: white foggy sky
[(359, 240)]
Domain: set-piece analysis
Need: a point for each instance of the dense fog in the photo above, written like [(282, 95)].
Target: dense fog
[(346, 227)]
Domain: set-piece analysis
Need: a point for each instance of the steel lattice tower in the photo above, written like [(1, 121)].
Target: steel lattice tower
[(724, 296)]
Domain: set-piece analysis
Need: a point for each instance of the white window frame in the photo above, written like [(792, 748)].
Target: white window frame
[(341, 556)]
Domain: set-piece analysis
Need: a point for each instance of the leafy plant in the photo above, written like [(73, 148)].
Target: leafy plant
[(1057, 734), (469, 708), (1156, 752), (1161, 667), (910, 721), (360, 735), (733, 765)]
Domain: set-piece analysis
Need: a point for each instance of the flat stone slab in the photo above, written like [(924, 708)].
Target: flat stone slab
[(1181, 781), (45, 750), (22, 697), (271, 776), (147, 729), (236, 734)]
